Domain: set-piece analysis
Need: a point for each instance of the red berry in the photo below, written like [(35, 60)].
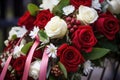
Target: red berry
[(72, 30), (68, 19), (78, 22), (75, 26), (73, 20), (69, 26)]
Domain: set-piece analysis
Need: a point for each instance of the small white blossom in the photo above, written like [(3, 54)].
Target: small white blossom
[(35, 69), (18, 31), (13, 31), (55, 2), (17, 51), (6, 42), (33, 33), (51, 51), (21, 32), (68, 9), (87, 67), (3, 62), (9, 67), (49, 4), (1, 56), (96, 4), (23, 42)]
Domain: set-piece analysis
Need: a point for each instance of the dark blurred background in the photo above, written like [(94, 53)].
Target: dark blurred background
[(10, 11)]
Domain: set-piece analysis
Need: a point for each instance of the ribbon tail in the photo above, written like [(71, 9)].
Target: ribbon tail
[(43, 67), (4, 71), (28, 60)]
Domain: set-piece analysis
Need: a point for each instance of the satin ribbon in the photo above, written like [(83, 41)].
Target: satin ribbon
[(4, 71), (43, 67), (28, 60), (2, 76)]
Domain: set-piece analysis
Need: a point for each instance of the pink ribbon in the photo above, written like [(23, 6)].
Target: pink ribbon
[(4, 71), (43, 67), (2, 76), (28, 60)]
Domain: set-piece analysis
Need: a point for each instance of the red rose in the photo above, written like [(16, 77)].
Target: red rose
[(19, 63), (84, 39), (70, 57), (77, 3), (27, 20), (108, 25), (42, 18)]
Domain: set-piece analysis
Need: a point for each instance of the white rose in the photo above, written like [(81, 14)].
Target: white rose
[(87, 15), (49, 4), (114, 6), (35, 69), (56, 27)]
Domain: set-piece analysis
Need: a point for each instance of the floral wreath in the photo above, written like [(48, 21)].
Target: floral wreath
[(61, 40)]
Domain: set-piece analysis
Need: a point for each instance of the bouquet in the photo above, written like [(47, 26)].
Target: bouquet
[(61, 40)]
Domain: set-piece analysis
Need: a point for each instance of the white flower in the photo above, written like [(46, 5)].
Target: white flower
[(51, 51), (18, 31), (114, 6), (3, 62), (96, 4), (6, 42), (23, 42), (49, 4), (35, 69), (9, 67), (56, 27), (13, 31), (55, 2), (68, 9), (21, 32), (87, 67), (17, 51), (87, 15), (33, 33)]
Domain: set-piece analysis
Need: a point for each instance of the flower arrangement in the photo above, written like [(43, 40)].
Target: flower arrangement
[(61, 40)]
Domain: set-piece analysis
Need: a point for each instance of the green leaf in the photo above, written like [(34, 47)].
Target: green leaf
[(118, 16), (43, 36), (112, 45), (26, 47), (96, 53), (57, 10), (62, 67), (51, 77), (33, 9), (76, 76), (14, 37)]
